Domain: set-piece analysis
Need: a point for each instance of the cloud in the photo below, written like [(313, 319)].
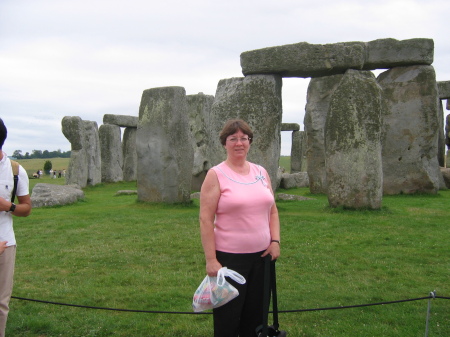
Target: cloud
[(88, 58)]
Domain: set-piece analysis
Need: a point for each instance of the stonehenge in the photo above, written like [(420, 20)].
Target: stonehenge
[(364, 136)]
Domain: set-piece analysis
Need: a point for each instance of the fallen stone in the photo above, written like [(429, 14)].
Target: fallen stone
[(45, 195), (294, 180), (284, 196), (126, 192)]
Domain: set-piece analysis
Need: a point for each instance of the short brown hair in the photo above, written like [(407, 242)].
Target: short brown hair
[(233, 126)]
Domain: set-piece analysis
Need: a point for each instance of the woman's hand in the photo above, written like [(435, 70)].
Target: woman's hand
[(2, 246), (212, 267), (273, 250)]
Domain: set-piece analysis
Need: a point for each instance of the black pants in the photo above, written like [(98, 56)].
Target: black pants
[(242, 315)]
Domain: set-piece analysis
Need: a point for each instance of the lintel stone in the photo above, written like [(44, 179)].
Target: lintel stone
[(316, 60), (444, 90), (121, 120), (304, 59), (390, 53), (290, 127)]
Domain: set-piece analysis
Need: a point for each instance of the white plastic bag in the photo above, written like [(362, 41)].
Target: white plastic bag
[(214, 292)]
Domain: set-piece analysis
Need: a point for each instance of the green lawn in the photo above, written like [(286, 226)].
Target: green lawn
[(112, 251)]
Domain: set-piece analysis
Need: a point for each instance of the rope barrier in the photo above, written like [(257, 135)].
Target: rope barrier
[(431, 296)]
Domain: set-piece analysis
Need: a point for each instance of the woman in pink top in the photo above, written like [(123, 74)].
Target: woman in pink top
[(239, 226)]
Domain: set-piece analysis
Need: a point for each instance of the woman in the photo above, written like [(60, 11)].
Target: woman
[(239, 226)]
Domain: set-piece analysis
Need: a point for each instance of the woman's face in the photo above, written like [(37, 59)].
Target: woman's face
[(237, 145)]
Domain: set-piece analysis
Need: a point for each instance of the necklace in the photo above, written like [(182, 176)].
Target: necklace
[(259, 177)]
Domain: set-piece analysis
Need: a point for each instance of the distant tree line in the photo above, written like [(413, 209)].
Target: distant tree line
[(39, 154)]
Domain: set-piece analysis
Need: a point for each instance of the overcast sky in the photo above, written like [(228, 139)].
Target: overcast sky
[(89, 58)]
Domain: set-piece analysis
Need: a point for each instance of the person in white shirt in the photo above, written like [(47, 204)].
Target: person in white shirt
[(7, 238)]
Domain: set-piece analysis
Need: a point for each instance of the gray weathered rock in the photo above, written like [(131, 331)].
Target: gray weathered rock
[(319, 95), (444, 90), (441, 135), (294, 180), (448, 104), (304, 59), (73, 129), (447, 131), (199, 110), (284, 196), (257, 100), (290, 127), (111, 153), (446, 175), (352, 143), (316, 60), (55, 195), (126, 192), (121, 120), (410, 130), (93, 157), (298, 152), (129, 153), (164, 146), (389, 53)]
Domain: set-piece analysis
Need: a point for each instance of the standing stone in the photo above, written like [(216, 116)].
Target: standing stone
[(93, 156), (164, 146), (352, 143), (129, 154), (318, 99), (111, 153), (441, 135), (298, 152), (74, 130), (257, 100), (410, 130), (447, 140), (199, 110)]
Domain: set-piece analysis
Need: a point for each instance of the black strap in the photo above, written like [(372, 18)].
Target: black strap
[(13, 195), (273, 279)]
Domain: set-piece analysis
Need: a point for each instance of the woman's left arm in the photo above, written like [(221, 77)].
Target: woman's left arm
[(274, 225)]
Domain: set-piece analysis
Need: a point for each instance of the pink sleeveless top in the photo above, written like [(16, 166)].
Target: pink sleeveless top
[(243, 211)]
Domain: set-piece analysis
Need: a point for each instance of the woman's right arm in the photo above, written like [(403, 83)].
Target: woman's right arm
[(209, 198)]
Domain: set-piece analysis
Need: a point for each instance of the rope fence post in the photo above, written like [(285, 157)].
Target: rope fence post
[(432, 296)]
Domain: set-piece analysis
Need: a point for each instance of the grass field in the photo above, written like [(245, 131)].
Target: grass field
[(114, 252)]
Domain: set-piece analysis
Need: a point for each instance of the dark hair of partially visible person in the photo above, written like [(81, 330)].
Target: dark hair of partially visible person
[(233, 126), (3, 133)]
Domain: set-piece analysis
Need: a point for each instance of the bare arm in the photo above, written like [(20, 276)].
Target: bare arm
[(23, 208), (209, 197), (274, 224)]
